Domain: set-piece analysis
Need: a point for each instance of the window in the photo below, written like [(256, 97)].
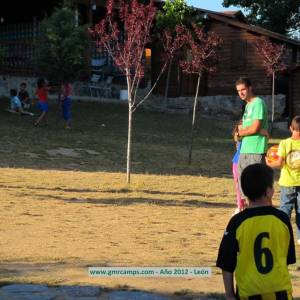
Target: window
[(238, 54)]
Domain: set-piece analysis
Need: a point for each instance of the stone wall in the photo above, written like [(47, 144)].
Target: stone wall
[(212, 105), (219, 105)]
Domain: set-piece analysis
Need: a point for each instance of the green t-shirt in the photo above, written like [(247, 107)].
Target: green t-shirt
[(256, 143), (289, 150)]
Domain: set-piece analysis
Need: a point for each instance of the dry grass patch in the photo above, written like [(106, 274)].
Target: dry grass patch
[(62, 212)]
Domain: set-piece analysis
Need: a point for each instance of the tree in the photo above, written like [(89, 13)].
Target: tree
[(202, 56), (272, 55), (1, 55), (124, 36), (173, 13), (280, 16), (61, 50)]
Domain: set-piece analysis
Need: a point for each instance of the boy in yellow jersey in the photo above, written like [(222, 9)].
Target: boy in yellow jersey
[(258, 243), (289, 181)]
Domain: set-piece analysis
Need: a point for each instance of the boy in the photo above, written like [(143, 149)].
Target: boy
[(15, 104), (258, 243), (289, 181), (24, 96)]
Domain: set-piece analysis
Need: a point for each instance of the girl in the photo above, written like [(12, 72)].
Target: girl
[(42, 95), (66, 91), (240, 202)]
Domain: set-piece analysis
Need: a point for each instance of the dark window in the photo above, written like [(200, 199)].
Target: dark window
[(238, 54)]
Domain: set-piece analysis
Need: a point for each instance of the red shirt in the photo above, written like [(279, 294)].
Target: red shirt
[(42, 94)]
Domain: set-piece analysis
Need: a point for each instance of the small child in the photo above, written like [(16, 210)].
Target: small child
[(289, 181), (16, 105), (240, 202), (66, 92), (42, 95), (24, 96), (258, 243)]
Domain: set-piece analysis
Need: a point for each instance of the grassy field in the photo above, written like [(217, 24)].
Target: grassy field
[(65, 204)]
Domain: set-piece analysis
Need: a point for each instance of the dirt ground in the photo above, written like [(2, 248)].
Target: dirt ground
[(55, 224), (65, 205)]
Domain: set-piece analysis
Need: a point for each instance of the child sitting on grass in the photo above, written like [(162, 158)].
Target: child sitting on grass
[(16, 105)]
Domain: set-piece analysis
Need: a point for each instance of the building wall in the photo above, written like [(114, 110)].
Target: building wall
[(238, 57), (295, 93)]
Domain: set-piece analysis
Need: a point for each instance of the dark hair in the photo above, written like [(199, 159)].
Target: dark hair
[(40, 82), (255, 180), (13, 92), (243, 80), (296, 123), (23, 84)]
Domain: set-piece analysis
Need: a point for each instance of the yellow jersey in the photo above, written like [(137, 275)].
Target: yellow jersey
[(257, 246), (289, 150)]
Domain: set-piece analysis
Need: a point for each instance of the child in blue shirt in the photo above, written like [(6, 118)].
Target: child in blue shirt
[(16, 105)]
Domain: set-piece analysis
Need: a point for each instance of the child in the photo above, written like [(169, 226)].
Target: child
[(241, 203), (42, 95), (66, 91), (24, 96), (289, 181), (16, 105), (258, 243)]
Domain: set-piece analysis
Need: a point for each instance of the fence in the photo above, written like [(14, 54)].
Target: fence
[(17, 42)]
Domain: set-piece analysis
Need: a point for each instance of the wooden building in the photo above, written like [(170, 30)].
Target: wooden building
[(295, 91), (238, 58), (19, 29)]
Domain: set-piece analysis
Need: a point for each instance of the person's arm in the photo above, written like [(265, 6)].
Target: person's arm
[(265, 133), (276, 163), (228, 284), (250, 130)]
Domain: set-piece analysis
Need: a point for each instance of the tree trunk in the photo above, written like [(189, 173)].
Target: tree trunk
[(167, 83), (273, 101), (128, 170), (193, 120), (129, 132)]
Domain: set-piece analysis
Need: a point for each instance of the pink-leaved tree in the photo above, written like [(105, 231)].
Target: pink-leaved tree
[(272, 56), (202, 56), (123, 33)]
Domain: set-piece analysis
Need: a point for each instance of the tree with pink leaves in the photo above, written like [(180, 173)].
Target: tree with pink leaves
[(272, 56), (202, 56), (124, 33)]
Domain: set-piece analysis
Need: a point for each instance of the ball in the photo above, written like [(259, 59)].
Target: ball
[(272, 153)]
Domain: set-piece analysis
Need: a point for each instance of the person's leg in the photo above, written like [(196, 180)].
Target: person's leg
[(239, 201), (245, 160), (288, 198), (41, 117), (242, 164), (66, 108)]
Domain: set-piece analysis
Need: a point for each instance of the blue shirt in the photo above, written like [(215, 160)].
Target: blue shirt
[(15, 103)]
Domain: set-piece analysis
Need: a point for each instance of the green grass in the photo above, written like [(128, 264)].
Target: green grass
[(160, 141)]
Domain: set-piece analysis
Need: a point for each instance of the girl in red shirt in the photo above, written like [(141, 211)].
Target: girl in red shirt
[(42, 95)]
